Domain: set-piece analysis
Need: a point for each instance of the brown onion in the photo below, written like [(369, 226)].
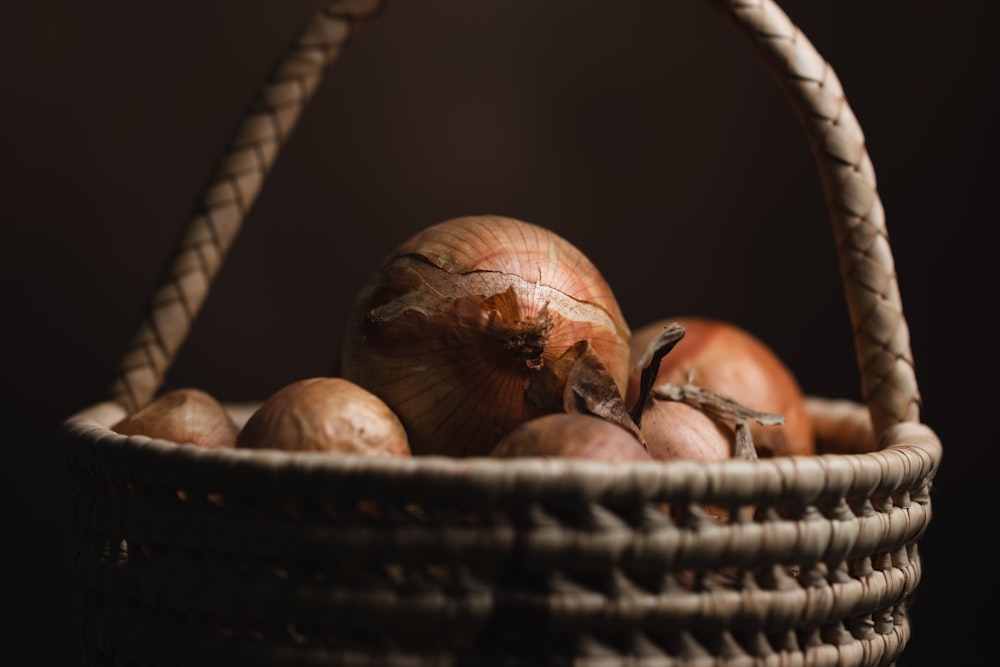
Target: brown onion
[(677, 430), (571, 435), (325, 414), (721, 357), (456, 324), (185, 416)]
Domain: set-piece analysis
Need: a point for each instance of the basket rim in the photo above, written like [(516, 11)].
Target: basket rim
[(908, 459)]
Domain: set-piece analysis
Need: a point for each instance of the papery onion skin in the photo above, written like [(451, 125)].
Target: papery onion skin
[(722, 357), (452, 328)]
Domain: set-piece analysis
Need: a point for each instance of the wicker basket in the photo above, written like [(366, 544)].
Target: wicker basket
[(278, 558)]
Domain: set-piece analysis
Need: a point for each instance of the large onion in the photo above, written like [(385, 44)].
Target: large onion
[(458, 321)]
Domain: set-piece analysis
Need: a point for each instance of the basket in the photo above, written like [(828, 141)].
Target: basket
[(191, 556)]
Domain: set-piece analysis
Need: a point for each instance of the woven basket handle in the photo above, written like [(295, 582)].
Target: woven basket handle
[(231, 190), (881, 335)]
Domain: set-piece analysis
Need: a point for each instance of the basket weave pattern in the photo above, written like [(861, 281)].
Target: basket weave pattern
[(187, 556)]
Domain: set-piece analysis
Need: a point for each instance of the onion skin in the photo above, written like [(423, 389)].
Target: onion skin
[(571, 435), (185, 416), (460, 318), (325, 414), (727, 359)]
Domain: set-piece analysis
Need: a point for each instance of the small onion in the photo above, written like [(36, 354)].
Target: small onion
[(726, 359), (184, 416), (571, 435), (675, 430), (459, 320), (325, 414)]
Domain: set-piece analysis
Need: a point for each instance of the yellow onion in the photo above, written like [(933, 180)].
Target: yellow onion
[(455, 326), (185, 416), (325, 414), (677, 430), (572, 435)]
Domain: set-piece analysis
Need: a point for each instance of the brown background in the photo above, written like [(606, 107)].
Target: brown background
[(644, 131)]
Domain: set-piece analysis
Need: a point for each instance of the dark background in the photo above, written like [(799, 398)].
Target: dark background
[(644, 131)]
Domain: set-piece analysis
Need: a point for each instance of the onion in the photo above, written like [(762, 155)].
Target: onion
[(678, 430), (454, 328), (572, 435), (720, 357), (325, 414), (184, 416)]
